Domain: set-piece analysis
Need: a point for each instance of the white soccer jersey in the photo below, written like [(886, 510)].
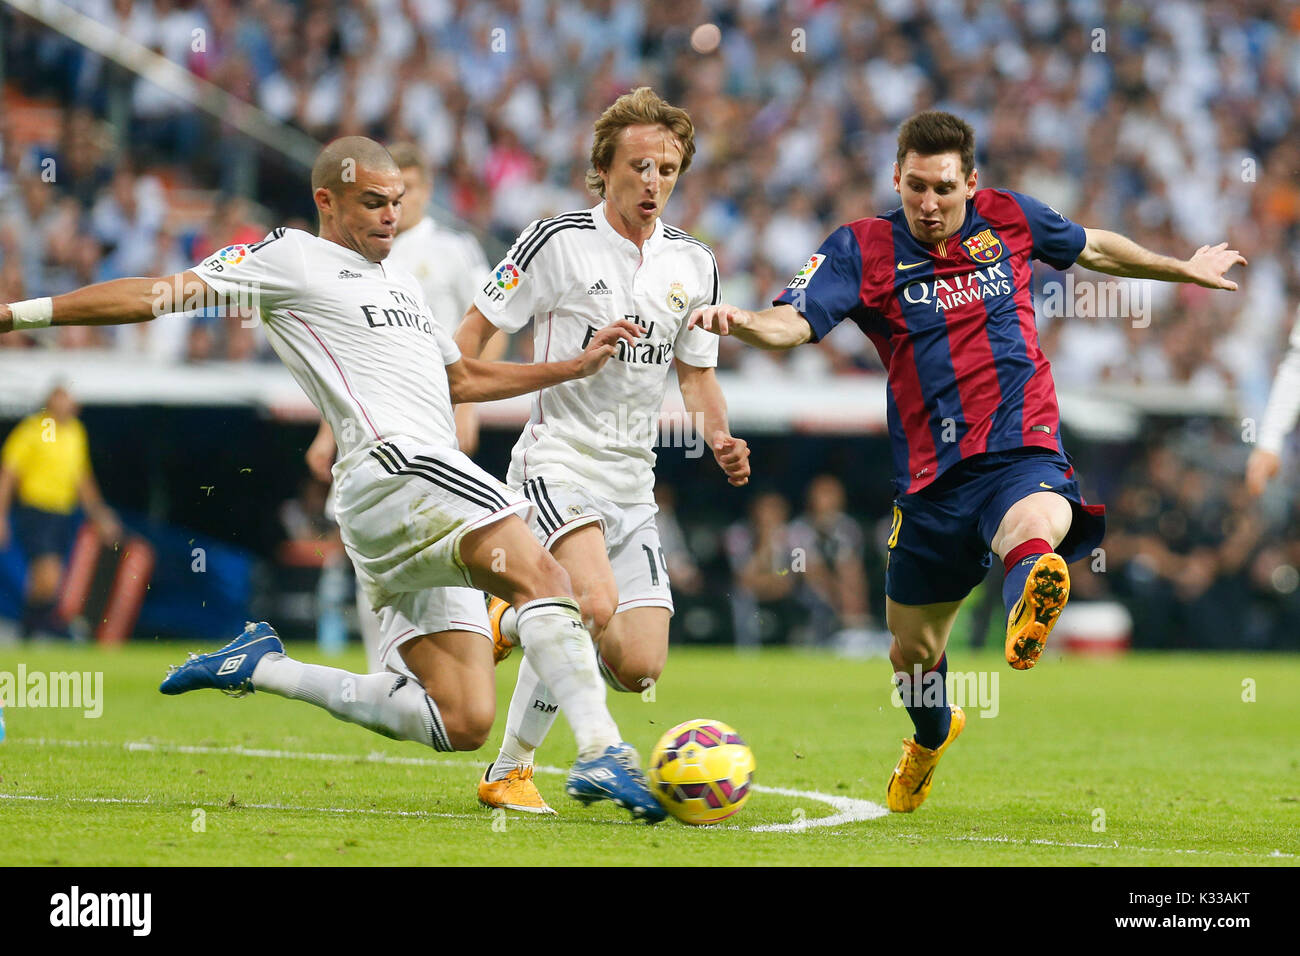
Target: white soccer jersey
[(356, 335), (1284, 397), (449, 265), (574, 275)]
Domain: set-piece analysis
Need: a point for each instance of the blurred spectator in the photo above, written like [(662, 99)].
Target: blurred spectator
[(837, 576), (45, 473), (1185, 130), (683, 573), (767, 582)]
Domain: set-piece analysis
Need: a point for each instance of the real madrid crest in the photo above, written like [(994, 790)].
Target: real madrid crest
[(677, 299)]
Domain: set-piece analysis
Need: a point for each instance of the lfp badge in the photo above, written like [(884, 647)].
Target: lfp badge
[(507, 276), (233, 255), (984, 248)]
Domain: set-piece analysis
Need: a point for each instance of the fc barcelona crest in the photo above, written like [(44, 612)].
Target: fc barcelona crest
[(984, 248)]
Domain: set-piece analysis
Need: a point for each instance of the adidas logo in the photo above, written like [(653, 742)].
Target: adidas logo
[(599, 288), (345, 274)]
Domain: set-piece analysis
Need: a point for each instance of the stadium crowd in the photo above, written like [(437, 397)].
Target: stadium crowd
[(1176, 123)]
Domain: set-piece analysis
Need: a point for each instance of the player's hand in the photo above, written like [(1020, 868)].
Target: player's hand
[(604, 344), (720, 319), (1261, 466), (320, 456), (4, 532), (732, 455), (6, 319), (1207, 266)]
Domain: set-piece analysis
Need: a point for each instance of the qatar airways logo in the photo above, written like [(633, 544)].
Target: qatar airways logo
[(957, 290)]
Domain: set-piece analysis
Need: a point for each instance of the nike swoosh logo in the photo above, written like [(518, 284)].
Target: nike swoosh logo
[(1043, 484), (924, 781), (912, 265)]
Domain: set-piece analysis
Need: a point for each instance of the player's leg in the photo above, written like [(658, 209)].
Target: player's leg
[(504, 558), (1037, 582), (44, 538), (533, 707), (449, 705), (918, 653), (43, 576), (368, 623), (634, 646), (436, 687), (935, 559)]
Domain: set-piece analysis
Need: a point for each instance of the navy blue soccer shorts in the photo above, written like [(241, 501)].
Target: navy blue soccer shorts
[(939, 542), (40, 533)]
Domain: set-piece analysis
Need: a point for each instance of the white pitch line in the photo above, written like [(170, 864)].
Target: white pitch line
[(848, 810), (1115, 845), (243, 806)]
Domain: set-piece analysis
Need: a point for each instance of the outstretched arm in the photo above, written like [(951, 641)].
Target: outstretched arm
[(780, 327), (472, 380), (117, 302), (1117, 255), (705, 403)]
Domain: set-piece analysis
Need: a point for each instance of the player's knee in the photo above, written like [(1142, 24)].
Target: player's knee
[(552, 579), (598, 607), (922, 647), (637, 675), (539, 575), (468, 727)]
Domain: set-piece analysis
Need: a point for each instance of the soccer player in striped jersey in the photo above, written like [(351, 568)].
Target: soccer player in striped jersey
[(586, 456), (417, 517), (941, 286)]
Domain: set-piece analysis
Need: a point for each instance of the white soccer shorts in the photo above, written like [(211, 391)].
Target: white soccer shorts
[(403, 509), (631, 537)]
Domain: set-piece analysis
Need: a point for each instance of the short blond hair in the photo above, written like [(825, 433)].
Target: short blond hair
[(641, 107), (408, 155)]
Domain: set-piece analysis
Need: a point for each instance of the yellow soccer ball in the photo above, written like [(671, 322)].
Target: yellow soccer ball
[(701, 771)]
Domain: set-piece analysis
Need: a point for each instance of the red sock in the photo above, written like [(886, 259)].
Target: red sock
[(1032, 546), (1013, 585)]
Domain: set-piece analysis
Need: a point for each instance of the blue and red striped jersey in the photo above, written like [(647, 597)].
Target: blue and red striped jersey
[(953, 323)]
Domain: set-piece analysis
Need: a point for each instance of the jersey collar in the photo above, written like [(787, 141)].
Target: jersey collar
[(622, 243)]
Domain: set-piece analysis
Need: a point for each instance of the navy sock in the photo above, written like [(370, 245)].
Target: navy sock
[(1020, 561), (925, 695)]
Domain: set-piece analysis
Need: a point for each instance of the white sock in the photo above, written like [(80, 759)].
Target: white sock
[(562, 654), (533, 709), (387, 703), (510, 625)]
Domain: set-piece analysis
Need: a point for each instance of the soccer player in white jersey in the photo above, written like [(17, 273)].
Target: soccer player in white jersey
[(417, 516), (585, 458), (1280, 417), (449, 266)]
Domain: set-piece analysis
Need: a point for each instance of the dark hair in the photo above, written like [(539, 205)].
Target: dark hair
[(933, 132)]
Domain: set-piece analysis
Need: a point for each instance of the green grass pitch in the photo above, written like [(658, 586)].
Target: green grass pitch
[(1144, 760)]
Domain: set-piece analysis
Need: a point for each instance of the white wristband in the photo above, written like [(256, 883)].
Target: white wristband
[(32, 313)]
